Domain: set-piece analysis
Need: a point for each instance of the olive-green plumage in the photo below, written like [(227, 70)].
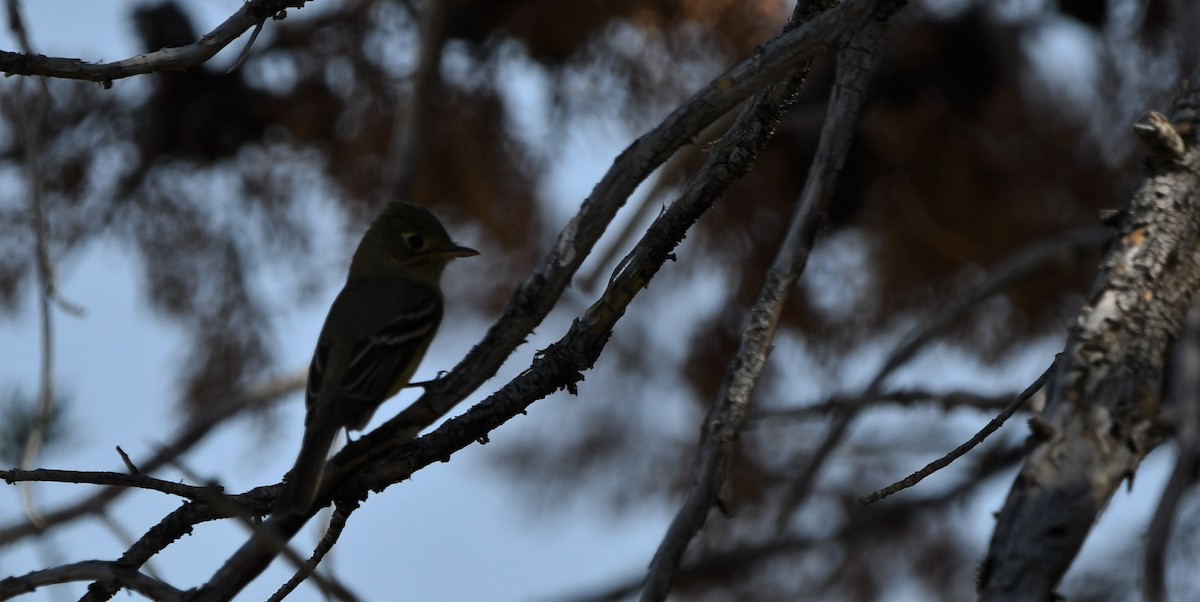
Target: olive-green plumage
[(374, 337)]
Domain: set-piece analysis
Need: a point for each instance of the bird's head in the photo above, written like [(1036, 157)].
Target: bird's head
[(405, 240)]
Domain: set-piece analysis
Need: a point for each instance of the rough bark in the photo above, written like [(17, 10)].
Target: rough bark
[(1102, 408)]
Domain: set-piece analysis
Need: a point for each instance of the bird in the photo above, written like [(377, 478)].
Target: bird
[(374, 337)]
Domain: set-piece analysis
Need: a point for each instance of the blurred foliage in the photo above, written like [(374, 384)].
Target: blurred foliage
[(965, 153), (18, 414)]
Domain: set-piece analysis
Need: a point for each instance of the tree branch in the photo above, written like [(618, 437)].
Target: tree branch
[(904, 398), (722, 426), (540, 291), (91, 570), (1101, 411), (114, 479), (195, 431), (1022, 263), (855, 532), (388, 455), (337, 523), (251, 13), (961, 450)]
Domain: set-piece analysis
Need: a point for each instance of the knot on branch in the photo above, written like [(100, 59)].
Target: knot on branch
[(1160, 136)]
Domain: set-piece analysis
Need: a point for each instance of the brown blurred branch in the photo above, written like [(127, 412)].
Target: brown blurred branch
[(192, 433), (907, 398), (1102, 410), (251, 13), (861, 530), (90, 570), (32, 110), (410, 134), (388, 455), (1022, 263), (856, 61), (540, 291)]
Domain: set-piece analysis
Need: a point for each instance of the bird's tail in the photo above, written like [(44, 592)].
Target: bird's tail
[(300, 489)]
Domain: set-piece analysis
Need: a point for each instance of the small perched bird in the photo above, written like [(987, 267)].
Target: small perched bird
[(374, 337)]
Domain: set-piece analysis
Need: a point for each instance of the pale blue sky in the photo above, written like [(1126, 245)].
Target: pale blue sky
[(457, 531), (454, 532)]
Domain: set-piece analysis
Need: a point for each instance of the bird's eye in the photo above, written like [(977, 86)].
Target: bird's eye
[(415, 242)]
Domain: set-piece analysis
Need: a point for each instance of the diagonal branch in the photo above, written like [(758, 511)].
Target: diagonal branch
[(251, 13), (1102, 409), (1020, 264), (540, 291), (336, 524), (390, 455), (91, 570), (722, 426), (992, 426)]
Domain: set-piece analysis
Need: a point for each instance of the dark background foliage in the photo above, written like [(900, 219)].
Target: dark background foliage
[(965, 153)]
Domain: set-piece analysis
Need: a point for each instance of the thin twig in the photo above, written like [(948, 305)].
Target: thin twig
[(250, 14), (127, 461), (855, 532), (958, 452), (388, 455), (245, 53), (722, 426), (906, 398), (337, 523), (114, 479), (91, 570), (32, 108), (540, 291), (1022, 263), (192, 433)]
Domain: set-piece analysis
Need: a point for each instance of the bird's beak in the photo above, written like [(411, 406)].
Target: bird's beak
[(451, 251)]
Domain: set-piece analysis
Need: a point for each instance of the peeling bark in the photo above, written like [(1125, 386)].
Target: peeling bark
[(1100, 417)]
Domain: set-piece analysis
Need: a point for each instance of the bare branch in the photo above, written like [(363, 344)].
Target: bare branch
[(191, 434), (336, 524), (722, 426), (864, 527), (32, 109), (91, 570), (1101, 412), (961, 450), (1022, 263), (540, 291), (906, 398), (388, 455), (114, 479), (251, 13)]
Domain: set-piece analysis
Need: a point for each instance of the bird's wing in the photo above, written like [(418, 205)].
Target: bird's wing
[(384, 354), (379, 363)]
